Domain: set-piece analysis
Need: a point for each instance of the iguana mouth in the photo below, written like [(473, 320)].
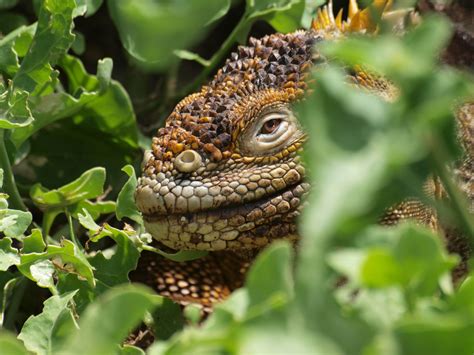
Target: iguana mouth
[(250, 225), (235, 226)]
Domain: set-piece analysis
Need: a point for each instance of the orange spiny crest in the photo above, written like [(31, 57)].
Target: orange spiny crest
[(365, 20)]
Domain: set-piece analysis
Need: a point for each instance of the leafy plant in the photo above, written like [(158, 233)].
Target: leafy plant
[(70, 233)]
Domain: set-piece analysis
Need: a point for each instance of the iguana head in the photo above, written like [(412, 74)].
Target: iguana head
[(225, 171)]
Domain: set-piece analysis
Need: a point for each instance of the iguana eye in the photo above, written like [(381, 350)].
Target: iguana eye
[(270, 126), (274, 128)]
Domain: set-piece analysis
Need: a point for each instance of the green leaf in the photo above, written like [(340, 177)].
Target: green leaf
[(135, 21), (462, 301), (131, 350), (288, 20), (10, 345), (89, 185), (105, 324), (112, 265), (39, 332), (8, 255), (380, 269), (436, 335), (66, 253), (126, 199), (275, 260), (14, 109), (33, 243), (11, 46), (109, 111), (416, 262), (13, 223), (113, 269), (168, 319), (52, 39), (42, 272)]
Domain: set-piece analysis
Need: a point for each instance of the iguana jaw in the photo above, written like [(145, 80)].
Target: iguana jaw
[(248, 209)]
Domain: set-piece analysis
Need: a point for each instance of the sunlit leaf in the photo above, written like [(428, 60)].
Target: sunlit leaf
[(38, 332)]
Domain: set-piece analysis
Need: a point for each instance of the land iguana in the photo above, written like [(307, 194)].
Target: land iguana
[(225, 175)]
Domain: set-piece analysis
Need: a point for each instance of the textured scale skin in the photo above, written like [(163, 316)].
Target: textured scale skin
[(238, 201)]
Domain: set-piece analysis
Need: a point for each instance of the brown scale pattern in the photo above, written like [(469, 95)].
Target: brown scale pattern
[(207, 121), (203, 281), (238, 202)]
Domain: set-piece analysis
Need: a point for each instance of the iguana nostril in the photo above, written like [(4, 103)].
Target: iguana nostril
[(188, 161)]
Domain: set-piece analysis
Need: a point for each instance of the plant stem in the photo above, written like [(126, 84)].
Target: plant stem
[(71, 230), (9, 185)]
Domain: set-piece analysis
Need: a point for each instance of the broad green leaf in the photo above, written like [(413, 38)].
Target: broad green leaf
[(275, 260), (135, 22), (107, 322), (168, 319), (38, 332), (10, 345), (462, 301), (13, 223), (415, 261), (112, 265), (109, 111), (67, 253), (113, 269), (290, 19), (33, 243), (14, 109), (8, 255), (52, 39), (380, 269), (11, 47), (131, 350), (126, 199), (448, 334), (89, 185), (42, 272)]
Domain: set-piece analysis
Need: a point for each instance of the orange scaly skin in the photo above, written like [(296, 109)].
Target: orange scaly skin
[(216, 179)]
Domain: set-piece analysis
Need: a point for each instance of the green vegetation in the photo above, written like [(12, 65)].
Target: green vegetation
[(64, 240)]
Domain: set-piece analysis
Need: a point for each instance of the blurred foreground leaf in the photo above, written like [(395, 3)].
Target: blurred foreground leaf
[(41, 333), (135, 22), (107, 322)]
